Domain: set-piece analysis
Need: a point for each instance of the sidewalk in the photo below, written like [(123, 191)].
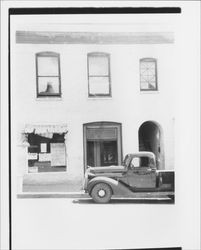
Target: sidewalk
[(143, 197), (80, 194)]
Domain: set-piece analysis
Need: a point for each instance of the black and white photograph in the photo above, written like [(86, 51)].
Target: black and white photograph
[(100, 125), (96, 106)]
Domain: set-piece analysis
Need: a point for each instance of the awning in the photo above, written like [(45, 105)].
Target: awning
[(46, 130)]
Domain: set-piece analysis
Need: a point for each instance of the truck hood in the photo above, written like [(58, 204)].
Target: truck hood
[(109, 169)]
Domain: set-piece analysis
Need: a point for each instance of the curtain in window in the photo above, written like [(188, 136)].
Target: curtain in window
[(48, 74)]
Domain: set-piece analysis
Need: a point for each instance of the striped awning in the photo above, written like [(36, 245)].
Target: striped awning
[(45, 130)]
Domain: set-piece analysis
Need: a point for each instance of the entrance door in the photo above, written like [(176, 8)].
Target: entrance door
[(102, 144), (102, 153), (109, 153)]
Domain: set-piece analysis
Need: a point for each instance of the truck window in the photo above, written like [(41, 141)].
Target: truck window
[(144, 161), (135, 163), (139, 162)]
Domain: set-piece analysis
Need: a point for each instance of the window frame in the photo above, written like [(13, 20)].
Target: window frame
[(102, 125), (48, 54), (99, 54), (150, 59)]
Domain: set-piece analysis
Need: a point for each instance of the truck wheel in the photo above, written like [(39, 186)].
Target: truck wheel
[(101, 193)]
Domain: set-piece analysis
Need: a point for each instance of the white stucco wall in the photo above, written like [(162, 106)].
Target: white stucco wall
[(128, 105)]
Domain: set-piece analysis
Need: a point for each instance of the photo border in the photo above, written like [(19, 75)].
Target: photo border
[(68, 11)]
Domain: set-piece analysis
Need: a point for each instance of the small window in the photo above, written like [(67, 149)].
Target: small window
[(48, 74), (148, 74), (99, 74)]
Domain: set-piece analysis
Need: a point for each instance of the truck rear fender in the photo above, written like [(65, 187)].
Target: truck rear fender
[(166, 177)]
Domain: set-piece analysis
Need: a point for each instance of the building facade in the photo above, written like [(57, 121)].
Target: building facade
[(88, 98)]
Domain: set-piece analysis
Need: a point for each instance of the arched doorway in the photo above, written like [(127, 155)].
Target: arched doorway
[(151, 139)]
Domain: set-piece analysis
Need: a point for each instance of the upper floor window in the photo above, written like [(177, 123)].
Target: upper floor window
[(48, 77), (148, 74), (99, 74)]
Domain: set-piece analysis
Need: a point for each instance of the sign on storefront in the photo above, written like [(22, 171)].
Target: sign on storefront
[(58, 154)]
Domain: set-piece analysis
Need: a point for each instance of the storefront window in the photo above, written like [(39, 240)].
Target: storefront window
[(46, 153)]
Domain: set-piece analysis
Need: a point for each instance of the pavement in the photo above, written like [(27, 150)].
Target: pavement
[(80, 194), (83, 198)]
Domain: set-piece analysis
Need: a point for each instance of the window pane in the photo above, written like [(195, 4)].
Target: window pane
[(98, 65), (43, 147), (148, 75), (48, 85), (135, 162), (58, 153), (48, 66), (148, 85), (99, 85)]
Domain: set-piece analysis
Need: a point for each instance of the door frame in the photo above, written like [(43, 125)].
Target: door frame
[(103, 124)]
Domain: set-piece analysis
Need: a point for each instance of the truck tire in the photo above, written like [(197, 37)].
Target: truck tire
[(101, 193)]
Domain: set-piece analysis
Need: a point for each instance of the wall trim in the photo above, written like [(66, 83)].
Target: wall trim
[(53, 37)]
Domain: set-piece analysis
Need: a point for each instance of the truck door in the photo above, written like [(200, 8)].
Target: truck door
[(140, 174)]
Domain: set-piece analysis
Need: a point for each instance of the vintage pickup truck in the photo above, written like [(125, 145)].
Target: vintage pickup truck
[(137, 177)]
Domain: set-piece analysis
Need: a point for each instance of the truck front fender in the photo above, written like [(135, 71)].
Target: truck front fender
[(117, 187)]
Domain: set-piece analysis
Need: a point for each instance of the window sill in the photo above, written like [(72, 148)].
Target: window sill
[(49, 98), (149, 92), (99, 97)]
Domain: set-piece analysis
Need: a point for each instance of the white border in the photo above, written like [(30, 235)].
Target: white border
[(184, 217)]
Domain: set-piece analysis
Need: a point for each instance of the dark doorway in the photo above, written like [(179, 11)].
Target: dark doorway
[(150, 139), (102, 144), (101, 153)]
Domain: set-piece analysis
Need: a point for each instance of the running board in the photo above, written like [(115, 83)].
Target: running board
[(147, 195)]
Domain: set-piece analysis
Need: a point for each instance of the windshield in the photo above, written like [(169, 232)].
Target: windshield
[(126, 161)]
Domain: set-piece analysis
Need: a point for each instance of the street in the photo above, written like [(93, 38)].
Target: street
[(79, 223)]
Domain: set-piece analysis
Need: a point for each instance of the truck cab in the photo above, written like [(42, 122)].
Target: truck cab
[(141, 170)]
